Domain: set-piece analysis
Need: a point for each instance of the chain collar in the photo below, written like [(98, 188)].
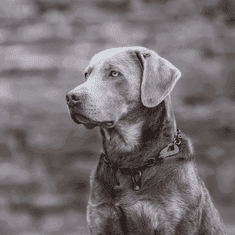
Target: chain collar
[(136, 172)]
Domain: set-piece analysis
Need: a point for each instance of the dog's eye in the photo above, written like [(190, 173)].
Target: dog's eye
[(85, 75), (114, 74)]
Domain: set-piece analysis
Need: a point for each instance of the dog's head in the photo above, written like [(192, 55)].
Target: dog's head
[(117, 80)]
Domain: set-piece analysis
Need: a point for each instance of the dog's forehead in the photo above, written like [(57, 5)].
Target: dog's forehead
[(111, 55)]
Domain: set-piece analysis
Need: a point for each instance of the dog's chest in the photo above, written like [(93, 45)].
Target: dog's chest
[(151, 216), (143, 213)]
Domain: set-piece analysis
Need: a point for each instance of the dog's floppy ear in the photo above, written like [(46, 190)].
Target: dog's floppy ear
[(159, 77)]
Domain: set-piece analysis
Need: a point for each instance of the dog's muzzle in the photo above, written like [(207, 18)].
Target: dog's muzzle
[(74, 102)]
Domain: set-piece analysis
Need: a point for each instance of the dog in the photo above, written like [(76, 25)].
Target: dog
[(146, 181)]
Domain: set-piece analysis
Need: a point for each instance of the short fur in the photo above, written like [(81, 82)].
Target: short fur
[(134, 112)]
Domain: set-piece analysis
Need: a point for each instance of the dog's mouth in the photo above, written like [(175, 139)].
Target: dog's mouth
[(81, 119), (90, 124), (109, 124)]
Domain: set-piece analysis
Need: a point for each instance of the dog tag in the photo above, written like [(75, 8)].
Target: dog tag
[(166, 152), (137, 188), (136, 179)]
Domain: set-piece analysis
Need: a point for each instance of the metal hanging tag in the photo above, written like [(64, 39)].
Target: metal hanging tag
[(136, 179), (166, 152)]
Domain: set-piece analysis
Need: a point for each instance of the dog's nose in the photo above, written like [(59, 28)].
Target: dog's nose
[(72, 98)]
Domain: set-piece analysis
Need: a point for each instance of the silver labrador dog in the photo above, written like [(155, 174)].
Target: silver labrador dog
[(146, 181)]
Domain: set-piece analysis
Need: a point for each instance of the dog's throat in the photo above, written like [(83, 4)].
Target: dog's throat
[(124, 137)]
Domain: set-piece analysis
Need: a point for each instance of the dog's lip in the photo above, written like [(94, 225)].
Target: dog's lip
[(79, 118), (89, 123), (109, 124)]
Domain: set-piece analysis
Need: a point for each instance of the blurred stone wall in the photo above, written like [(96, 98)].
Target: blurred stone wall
[(46, 159)]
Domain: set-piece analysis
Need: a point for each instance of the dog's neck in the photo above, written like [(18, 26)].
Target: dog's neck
[(146, 128)]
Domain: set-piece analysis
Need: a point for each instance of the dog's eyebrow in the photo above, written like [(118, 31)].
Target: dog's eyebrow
[(88, 71), (109, 67)]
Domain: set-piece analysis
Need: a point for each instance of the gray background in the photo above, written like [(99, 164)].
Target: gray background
[(45, 158)]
